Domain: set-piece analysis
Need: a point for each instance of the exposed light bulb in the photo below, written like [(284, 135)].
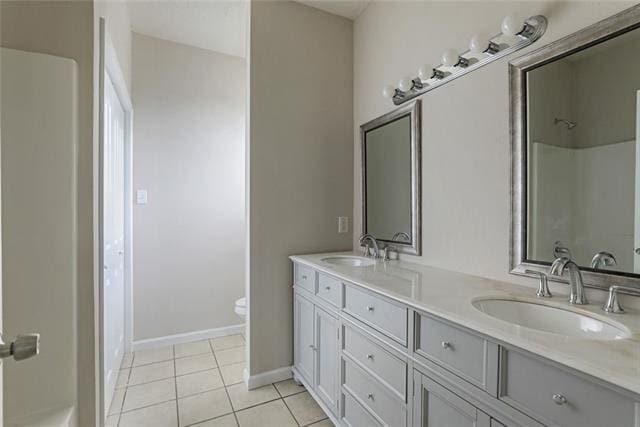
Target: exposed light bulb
[(425, 72), (450, 57), (479, 43), (388, 91), (512, 24), (405, 84)]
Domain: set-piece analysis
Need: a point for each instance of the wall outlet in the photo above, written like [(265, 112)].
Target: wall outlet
[(141, 197), (343, 224)]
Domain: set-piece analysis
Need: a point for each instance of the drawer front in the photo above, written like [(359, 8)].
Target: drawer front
[(373, 395), (557, 397), (387, 317), (305, 277), (329, 289), (389, 368), (471, 357), (355, 415)]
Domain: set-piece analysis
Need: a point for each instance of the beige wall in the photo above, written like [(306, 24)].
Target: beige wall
[(465, 135), (188, 154), (65, 28), (301, 161)]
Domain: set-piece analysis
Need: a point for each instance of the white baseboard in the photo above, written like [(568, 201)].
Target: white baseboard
[(187, 337), (255, 381)]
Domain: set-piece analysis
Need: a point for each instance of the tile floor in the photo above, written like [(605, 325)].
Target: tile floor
[(200, 384)]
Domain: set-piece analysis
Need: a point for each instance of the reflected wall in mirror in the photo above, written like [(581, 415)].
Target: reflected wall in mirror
[(390, 178), (575, 115)]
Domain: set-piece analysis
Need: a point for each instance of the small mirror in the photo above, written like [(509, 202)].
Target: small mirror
[(391, 178), (575, 123)]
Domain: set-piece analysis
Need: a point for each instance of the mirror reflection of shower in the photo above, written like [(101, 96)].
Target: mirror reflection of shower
[(570, 125)]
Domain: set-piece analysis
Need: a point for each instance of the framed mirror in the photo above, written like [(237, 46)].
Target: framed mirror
[(391, 173), (575, 128)]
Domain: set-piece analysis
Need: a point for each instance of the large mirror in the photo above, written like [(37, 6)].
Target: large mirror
[(576, 121), (391, 178)]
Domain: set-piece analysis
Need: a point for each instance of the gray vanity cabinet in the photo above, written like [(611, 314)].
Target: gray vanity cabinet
[(327, 358), (304, 342), (436, 406)]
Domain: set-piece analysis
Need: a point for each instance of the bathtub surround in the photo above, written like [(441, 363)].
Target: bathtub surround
[(189, 156), (300, 159), (465, 149)]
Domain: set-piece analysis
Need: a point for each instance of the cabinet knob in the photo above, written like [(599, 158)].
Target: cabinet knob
[(559, 399), (446, 345), (370, 356), (369, 308), (304, 277), (312, 347), (328, 288), (370, 396)]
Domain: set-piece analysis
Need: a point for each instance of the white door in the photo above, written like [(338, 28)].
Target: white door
[(636, 234), (304, 356), (113, 232), (328, 351)]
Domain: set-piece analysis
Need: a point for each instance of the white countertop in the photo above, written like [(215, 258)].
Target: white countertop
[(449, 295)]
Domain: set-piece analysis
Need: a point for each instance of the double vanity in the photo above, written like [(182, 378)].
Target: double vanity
[(401, 344)]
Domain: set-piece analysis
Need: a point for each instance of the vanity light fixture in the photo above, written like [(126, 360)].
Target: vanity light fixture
[(516, 34)]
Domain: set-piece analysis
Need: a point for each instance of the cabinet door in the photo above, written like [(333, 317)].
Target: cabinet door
[(327, 358), (435, 406), (304, 339)]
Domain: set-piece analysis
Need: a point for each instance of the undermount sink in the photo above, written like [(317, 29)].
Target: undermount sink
[(550, 319), (350, 261)]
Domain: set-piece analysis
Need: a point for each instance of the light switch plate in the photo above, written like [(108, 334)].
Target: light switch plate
[(141, 197), (343, 224)]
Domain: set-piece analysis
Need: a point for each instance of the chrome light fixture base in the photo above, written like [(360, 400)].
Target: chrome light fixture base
[(500, 45)]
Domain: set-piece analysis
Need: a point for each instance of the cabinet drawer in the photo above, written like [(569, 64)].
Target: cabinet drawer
[(389, 368), (305, 277), (557, 397), (329, 289), (469, 356), (388, 407), (355, 415), (389, 318)]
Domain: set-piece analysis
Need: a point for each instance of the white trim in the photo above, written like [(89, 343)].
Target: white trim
[(265, 378), (187, 337)]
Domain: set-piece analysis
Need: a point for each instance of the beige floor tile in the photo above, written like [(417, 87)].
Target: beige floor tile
[(230, 341), (203, 406), (127, 360), (149, 394), (123, 378), (153, 372), (192, 348), (144, 357), (272, 414), (161, 415), (202, 362), (112, 421), (288, 387), (304, 408), (232, 374), (198, 382), (230, 356), (323, 423), (242, 398), (224, 421), (116, 401)]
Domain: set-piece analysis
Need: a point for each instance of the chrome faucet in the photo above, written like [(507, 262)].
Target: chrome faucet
[(603, 259), (376, 248), (577, 294)]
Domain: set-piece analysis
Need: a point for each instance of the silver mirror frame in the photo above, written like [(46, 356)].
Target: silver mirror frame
[(414, 111), (609, 28)]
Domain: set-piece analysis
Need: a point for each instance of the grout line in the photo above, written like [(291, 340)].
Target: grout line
[(224, 384), (146, 406)]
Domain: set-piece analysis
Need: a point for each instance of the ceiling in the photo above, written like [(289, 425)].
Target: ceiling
[(348, 8), (218, 25)]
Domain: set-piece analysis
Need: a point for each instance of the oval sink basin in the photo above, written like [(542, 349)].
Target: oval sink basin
[(551, 319), (350, 261)]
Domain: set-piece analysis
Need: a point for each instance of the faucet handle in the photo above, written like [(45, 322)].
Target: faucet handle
[(543, 285), (613, 303)]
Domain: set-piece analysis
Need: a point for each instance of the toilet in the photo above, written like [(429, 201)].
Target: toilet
[(241, 307)]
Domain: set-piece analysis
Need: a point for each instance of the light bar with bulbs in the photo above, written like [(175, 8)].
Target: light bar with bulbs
[(516, 34)]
